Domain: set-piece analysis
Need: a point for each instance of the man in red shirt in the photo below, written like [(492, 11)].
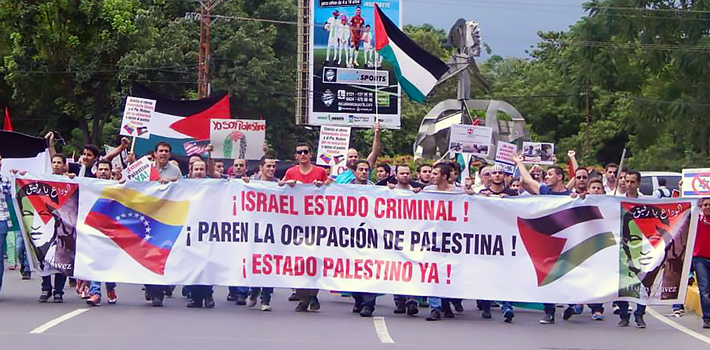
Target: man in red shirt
[(701, 259), (357, 23), (305, 172)]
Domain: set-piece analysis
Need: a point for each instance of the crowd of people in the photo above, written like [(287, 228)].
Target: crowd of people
[(442, 176)]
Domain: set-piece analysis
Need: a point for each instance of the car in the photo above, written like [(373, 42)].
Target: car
[(649, 181)]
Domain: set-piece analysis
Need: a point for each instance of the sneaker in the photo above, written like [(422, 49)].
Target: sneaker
[(678, 313), (252, 300), (367, 311), (412, 309), (508, 316), (547, 319), (706, 324), (85, 292), (598, 317), (195, 304), (26, 275), (209, 303), (616, 309), (293, 297), (58, 298), (569, 311), (265, 306), (44, 297), (302, 307), (400, 309), (357, 308), (458, 306), (624, 322), (231, 297), (486, 314), (435, 315), (314, 305), (640, 323), (241, 300), (111, 296), (12, 267), (94, 300), (156, 302)]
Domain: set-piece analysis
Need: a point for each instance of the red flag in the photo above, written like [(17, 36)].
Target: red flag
[(8, 125)]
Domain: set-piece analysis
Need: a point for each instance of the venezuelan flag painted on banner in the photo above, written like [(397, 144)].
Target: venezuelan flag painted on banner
[(145, 227)]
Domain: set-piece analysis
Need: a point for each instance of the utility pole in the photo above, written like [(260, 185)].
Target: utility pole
[(203, 61), (586, 117)]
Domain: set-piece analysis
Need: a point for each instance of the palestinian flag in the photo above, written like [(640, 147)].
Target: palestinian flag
[(417, 70), (23, 152), (179, 122)]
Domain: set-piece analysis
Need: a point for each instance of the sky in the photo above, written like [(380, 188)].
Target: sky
[(509, 27)]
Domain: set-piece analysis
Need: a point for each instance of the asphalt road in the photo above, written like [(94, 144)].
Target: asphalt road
[(133, 324)]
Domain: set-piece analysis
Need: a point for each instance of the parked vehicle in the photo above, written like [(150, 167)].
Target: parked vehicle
[(649, 181)]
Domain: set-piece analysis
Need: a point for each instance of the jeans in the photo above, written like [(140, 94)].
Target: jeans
[(265, 293), (236, 291), (155, 291), (3, 239), (22, 255), (306, 296), (59, 280), (95, 287), (435, 303), (365, 299), (200, 292), (702, 275), (624, 310), (403, 300), (597, 308)]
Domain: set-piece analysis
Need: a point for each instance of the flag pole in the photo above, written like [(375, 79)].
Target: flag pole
[(618, 171), (133, 144)]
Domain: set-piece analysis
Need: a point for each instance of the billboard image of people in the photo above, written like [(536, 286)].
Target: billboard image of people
[(351, 84)]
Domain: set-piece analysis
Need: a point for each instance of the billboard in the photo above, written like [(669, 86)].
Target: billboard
[(350, 83)]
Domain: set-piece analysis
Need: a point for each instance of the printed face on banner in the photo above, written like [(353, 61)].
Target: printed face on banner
[(352, 84), (652, 250), (49, 212), (237, 139)]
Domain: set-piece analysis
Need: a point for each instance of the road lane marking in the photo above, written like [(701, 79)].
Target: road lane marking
[(677, 326), (381, 329), (41, 329)]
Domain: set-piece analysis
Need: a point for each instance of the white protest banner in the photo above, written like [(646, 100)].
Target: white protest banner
[(505, 156), (237, 139), (696, 183), (141, 170), (136, 117), (470, 139), (367, 238), (538, 152), (333, 148)]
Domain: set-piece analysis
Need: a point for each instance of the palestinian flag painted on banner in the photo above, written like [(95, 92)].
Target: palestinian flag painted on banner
[(23, 152), (417, 70), (178, 122)]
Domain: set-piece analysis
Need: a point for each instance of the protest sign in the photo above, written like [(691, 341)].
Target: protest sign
[(372, 239), (333, 148), (696, 183), (141, 170), (136, 117), (237, 139), (538, 152), (470, 139), (505, 156)]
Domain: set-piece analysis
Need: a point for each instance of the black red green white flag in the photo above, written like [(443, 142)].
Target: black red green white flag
[(417, 70)]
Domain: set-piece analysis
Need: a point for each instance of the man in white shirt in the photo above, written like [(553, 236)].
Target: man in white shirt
[(343, 39), (662, 191), (331, 25)]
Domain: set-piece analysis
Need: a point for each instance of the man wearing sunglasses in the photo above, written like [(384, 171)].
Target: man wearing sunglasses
[(701, 259), (305, 172)]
